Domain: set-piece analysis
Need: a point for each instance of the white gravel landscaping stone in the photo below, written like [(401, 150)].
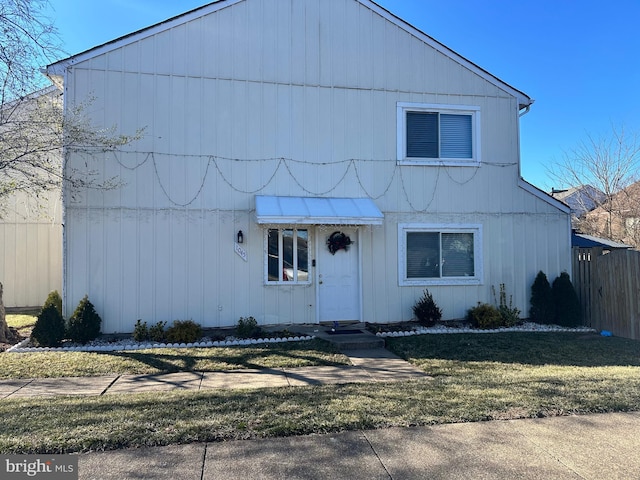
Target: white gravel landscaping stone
[(128, 344)]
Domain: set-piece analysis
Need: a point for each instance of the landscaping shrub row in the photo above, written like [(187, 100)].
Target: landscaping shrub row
[(182, 331), (556, 304), (51, 328), (550, 304)]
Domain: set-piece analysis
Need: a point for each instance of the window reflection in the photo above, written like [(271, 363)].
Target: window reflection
[(288, 255)]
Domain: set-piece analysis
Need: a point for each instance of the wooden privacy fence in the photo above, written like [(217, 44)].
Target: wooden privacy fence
[(608, 285)]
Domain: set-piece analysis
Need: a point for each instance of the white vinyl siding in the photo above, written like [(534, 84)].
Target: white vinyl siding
[(438, 133), (439, 254)]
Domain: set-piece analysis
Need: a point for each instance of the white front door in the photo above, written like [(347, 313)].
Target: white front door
[(338, 278)]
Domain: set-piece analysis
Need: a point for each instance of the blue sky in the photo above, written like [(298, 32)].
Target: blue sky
[(579, 60)]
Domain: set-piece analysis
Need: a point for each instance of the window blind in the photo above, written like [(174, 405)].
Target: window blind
[(455, 136), (422, 135)]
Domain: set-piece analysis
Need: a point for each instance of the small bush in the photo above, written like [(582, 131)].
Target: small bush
[(426, 311), (484, 316), (510, 315), (141, 331), (247, 328), (49, 329), (184, 331), (84, 324), (157, 333), (568, 311), (54, 299), (542, 306)]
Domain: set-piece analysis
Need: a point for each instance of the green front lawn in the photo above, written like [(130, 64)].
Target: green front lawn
[(167, 360), (475, 378), (22, 323), (161, 360)]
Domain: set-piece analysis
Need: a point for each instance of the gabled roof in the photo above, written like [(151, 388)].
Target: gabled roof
[(57, 69)]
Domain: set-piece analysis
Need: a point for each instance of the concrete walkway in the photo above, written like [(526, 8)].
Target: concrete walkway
[(375, 365)]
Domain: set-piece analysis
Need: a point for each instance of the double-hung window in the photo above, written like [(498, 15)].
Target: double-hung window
[(287, 259), (439, 254), (438, 134)]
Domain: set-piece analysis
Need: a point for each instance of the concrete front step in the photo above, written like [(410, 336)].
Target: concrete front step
[(364, 340), (355, 341)]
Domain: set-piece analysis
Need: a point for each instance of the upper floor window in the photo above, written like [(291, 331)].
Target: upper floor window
[(438, 134)]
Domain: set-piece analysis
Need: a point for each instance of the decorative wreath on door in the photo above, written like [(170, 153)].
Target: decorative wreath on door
[(338, 241)]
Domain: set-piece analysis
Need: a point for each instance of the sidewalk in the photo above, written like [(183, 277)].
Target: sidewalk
[(592, 447)]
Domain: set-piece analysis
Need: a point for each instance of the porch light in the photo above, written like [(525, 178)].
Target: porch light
[(240, 237)]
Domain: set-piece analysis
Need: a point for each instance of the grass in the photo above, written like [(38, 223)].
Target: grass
[(532, 349), (475, 378), (161, 360), (23, 323), (167, 360)]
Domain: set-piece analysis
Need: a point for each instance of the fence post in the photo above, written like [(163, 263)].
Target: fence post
[(582, 263)]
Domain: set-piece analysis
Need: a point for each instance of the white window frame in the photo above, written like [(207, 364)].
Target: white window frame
[(404, 107), (475, 229), (295, 280)]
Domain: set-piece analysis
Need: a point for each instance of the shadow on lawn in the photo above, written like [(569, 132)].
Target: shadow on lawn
[(213, 359), (549, 348)]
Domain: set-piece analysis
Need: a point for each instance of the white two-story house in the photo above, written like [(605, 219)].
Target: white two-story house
[(303, 161)]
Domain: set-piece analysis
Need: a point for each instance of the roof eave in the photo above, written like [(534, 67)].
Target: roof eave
[(541, 194), (58, 68)]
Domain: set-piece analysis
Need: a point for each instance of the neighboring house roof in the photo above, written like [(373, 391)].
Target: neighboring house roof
[(55, 71), (581, 199), (626, 202), (589, 241)]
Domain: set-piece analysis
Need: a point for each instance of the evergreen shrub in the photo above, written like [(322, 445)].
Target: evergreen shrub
[(484, 316), (49, 330), (184, 331), (84, 324), (141, 331), (426, 311), (568, 311), (54, 299), (247, 327), (542, 305), (157, 333)]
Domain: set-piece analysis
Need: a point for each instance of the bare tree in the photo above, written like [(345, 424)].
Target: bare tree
[(603, 168), (28, 41), (36, 133), (36, 130)]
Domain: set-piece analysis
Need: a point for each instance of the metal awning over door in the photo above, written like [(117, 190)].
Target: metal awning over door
[(317, 211)]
